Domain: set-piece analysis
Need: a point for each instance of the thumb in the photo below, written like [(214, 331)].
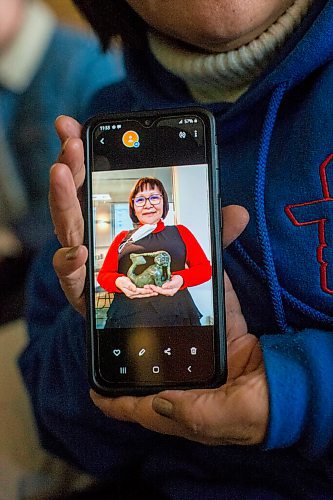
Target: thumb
[(130, 286), (193, 414), (168, 284), (173, 404), (235, 220)]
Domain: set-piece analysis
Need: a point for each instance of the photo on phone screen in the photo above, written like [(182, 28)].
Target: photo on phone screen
[(154, 315)]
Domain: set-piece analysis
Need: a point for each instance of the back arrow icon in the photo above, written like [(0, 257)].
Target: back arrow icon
[(102, 140), (189, 368)]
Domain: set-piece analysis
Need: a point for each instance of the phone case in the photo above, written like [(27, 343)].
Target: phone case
[(97, 381)]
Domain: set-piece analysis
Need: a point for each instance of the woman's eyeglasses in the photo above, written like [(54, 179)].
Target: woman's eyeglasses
[(154, 199)]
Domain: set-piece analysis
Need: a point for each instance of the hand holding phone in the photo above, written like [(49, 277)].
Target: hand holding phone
[(223, 413)]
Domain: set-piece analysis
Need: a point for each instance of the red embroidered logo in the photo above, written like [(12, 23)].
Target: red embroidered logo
[(317, 212)]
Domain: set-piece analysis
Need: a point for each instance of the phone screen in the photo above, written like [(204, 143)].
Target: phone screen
[(155, 287)]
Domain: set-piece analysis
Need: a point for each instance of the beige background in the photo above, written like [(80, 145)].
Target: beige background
[(21, 456), (67, 12)]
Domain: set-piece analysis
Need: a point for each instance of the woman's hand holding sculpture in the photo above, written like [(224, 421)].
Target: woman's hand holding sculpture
[(169, 288), (131, 290)]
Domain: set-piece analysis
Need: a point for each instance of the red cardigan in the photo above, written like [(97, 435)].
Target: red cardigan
[(198, 271)]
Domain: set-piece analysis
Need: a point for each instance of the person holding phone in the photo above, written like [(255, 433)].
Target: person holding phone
[(148, 206), (265, 69)]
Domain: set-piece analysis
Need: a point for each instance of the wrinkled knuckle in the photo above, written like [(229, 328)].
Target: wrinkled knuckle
[(75, 230)]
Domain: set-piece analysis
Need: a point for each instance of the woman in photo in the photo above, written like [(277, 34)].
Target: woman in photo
[(171, 248)]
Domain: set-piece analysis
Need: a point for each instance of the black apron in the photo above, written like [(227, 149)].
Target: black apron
[(179, 310)]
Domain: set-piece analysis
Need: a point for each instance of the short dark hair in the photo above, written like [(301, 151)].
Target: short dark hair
[(139, 186), (110, 18)]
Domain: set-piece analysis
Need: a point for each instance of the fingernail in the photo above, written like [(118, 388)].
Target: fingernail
[(163, 407), (64, 146), (72, 253)]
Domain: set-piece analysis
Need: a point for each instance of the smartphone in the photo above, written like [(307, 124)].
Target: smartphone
[(155, 297)]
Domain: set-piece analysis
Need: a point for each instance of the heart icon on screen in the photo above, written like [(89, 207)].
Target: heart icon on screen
[(116, 352)]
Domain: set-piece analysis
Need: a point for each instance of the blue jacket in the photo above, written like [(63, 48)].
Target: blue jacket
[(275, 150), (61, 85)]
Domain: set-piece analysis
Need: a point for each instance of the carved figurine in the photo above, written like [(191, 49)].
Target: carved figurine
[(156, 274)]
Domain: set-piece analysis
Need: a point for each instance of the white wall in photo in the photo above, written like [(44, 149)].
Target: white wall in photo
[(191, 205)]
